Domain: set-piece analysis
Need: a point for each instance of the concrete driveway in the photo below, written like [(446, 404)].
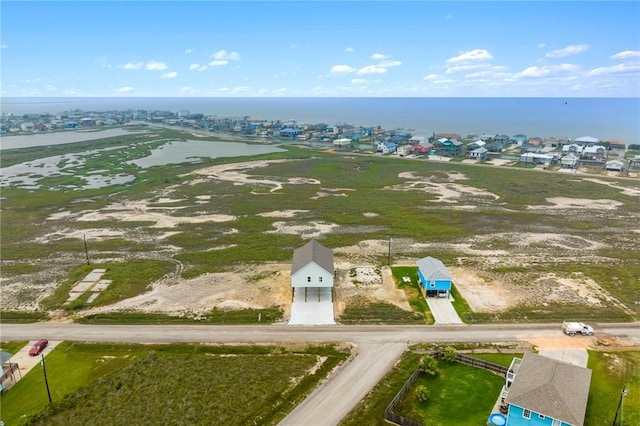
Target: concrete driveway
[(443, 311), (27, 362)]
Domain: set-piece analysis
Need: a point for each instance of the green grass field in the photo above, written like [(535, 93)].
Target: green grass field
[(95, 384)]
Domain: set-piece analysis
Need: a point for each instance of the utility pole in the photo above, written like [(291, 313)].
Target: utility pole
[(86, 251), (46, 382), (619, 409)]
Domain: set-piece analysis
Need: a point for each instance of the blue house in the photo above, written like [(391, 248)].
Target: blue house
[(544, 391), (434, 278), (289, 133)]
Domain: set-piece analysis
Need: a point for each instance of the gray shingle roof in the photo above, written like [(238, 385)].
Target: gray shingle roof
[(313, 251), (433, 269), (551, 387)]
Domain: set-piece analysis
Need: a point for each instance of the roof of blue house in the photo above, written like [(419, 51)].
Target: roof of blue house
[(433, 269), (552, 388)]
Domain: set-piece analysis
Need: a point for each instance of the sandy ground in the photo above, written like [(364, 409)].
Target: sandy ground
[(266, 285)]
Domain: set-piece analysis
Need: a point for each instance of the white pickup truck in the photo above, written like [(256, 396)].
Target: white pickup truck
[(571, 328)]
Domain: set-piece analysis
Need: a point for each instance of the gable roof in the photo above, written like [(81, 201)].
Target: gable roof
[(433, 269), (550, 387), (315, 252)]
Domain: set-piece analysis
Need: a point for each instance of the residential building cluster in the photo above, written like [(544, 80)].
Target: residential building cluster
[(564, 152)]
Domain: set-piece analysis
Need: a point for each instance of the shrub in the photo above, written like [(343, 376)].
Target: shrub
[(429, 366), (449, 354), (422, 393)]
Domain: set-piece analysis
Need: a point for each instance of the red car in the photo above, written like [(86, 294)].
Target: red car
[(38, 347)]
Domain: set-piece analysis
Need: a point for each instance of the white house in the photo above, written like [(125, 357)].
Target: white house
[(312, 274)]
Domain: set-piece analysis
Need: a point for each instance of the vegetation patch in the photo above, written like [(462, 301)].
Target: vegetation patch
[(216, 316), (362, 311), (169, 384)]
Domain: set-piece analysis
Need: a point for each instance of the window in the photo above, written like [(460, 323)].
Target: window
[(320, 279), (433, 283), (308, 279), (541, 416), (526, 414)]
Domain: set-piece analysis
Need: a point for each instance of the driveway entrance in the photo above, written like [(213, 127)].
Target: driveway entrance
[(312, 306)]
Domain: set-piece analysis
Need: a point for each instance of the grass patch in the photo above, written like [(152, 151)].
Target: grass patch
[(459, 395), (611, 372), (129, 384), (216, 316), (128, 279), (412, 290), (462, 307), (22, 317), (362, 311), (13, 347)]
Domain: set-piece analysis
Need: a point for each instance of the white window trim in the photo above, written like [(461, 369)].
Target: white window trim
[(526, 413)]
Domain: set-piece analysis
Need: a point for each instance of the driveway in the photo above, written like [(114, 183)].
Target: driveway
[(27, 362), (443, 311), (335, 398)]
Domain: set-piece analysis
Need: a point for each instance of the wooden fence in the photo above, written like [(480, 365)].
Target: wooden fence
[(397, 419)]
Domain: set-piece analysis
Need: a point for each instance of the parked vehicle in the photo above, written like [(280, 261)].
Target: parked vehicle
[(571, 328), (38, 347)]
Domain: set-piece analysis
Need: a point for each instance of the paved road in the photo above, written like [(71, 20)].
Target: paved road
[(378, 348)]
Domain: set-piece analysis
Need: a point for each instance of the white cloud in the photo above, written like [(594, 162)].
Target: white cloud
[(372, 69), (341, 69), (358, 81), (133, 66), (197, 67), (223, 55), (542, 45), (172, 74), (431, 77), (569, 50), (218, 63), (470, 56), (388, 64), (619, 68), (155, 66), (3, 46), (125, 89), (378, 56), (187, 51), (349, 50), (626, 54), (535, 72)]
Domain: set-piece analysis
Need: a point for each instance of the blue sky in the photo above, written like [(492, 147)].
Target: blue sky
[(320, 48)]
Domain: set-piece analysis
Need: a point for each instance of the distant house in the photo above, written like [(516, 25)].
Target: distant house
[(288, 133), (312, 275), (495, 146), (387, 147), (342, 143), (586, 141), (595, 152), (572, 147), (616, 144), (433, 277), (537, 158), (529, 147), (475, 145), (502, 139), (448, 147), (421, 148), (446, 136), (27, 127), (519, 139), (614, 166), (544, 391), (418, 139), (569, 161), (479, 154)]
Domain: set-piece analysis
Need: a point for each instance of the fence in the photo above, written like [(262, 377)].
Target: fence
[(397, 419)]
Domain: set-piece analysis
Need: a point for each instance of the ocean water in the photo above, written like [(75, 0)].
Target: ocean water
[(603, 118)]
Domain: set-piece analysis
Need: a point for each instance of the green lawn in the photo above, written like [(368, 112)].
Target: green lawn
[(459, 395), (96, 384), (611, 372)]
